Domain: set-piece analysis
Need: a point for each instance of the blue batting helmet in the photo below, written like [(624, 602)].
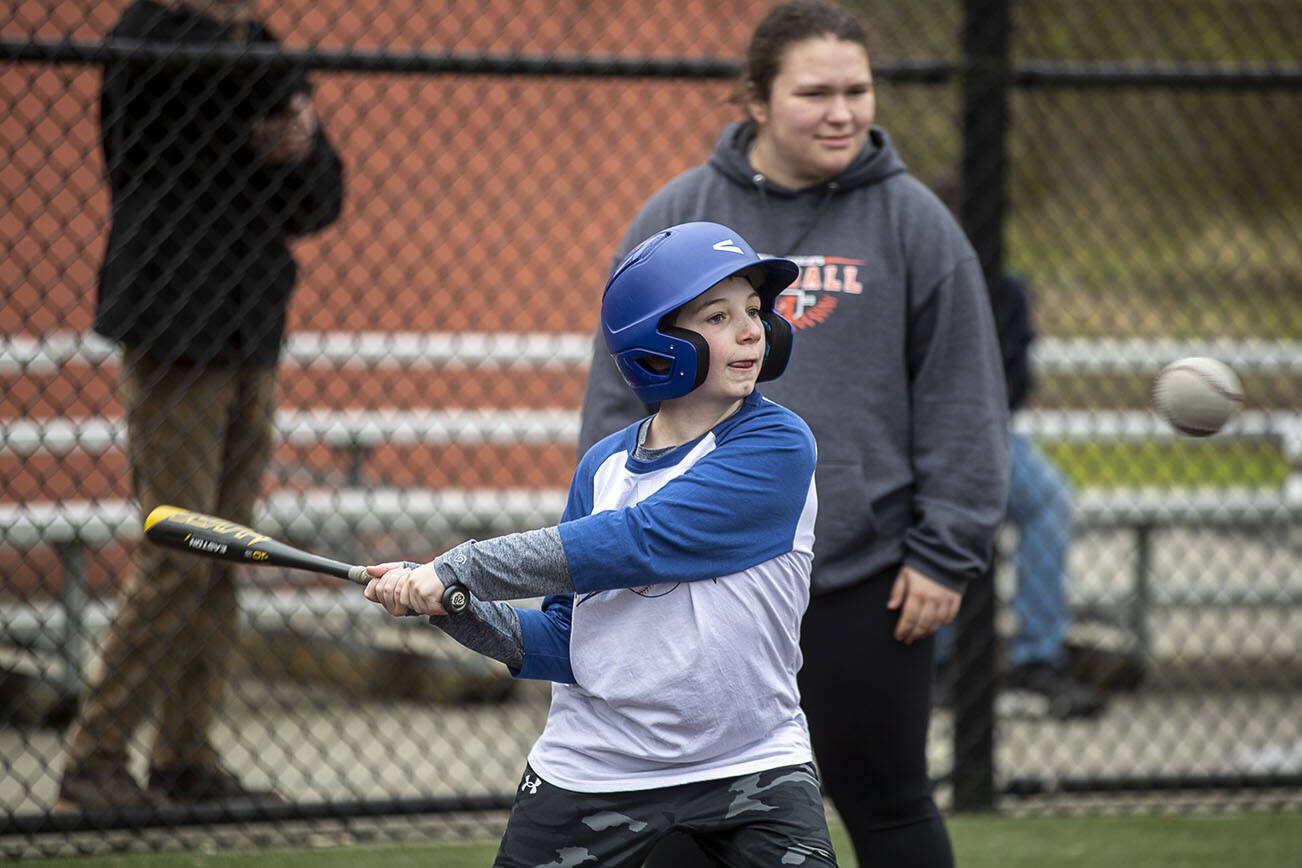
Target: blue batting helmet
[(662, 274)]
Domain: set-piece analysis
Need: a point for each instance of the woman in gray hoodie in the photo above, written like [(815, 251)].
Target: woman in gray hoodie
[(896, 369)]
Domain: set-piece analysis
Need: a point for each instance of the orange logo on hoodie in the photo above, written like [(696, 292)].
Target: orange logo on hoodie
[(812, 297)]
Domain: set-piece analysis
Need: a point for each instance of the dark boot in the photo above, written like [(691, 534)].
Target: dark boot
[(196, 784), (84, 790)]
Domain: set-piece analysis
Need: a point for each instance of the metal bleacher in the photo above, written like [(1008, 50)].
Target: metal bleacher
[(72, 527)]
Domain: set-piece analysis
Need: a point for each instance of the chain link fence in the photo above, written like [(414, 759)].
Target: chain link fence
[(1142, 161)]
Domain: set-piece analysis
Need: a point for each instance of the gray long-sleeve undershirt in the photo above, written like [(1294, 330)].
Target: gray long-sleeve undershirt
[(512, 567)]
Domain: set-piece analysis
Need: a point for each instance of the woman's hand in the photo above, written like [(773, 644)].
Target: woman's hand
[(924, 604)]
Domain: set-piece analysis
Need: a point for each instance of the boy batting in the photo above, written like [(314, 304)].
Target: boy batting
[(673, 588)]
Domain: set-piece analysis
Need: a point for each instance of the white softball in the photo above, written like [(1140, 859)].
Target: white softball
[(1197, 395)]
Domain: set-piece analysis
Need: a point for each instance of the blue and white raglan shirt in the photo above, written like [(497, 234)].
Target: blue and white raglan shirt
[(674, 660), (691, 575)]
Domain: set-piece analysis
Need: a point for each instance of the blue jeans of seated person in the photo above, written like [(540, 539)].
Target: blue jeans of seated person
[(1039, 506)]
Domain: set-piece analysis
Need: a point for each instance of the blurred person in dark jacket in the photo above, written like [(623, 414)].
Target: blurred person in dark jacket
[(213, 166)]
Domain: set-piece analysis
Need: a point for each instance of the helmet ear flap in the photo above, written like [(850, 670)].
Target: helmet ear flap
[(777, 345), (702, 352)]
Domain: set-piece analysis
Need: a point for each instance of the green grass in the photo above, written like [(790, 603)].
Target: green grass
[(1261, 840), (1175, 465)]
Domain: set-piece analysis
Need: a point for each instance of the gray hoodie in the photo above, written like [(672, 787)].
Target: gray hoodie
[(895, 367)]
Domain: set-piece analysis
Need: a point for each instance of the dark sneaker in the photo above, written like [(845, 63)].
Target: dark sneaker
[(1040, 689), (1107, 669), (194, 784), (86, 791)]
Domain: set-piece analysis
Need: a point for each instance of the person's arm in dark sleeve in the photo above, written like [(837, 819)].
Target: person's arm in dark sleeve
[(309, 191), (305, 178), (960, 428)]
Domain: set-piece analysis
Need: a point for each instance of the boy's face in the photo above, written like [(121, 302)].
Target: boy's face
[(727, 316)]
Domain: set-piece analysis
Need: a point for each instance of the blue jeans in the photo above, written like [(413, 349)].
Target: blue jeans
[(1039, 506)]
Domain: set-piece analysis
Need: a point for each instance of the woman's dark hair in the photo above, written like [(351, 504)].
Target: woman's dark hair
[(784, 26)]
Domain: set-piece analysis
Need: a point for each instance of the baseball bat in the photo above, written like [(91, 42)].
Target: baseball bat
[(213, 537)]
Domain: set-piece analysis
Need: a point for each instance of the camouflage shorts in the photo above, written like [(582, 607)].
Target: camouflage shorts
[(770, 818)]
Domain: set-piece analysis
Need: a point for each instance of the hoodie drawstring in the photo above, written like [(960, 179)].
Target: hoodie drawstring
[(829, 190)]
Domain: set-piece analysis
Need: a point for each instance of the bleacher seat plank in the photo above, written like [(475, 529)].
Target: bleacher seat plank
[(27, 354), (349, 428), (364, 428)]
